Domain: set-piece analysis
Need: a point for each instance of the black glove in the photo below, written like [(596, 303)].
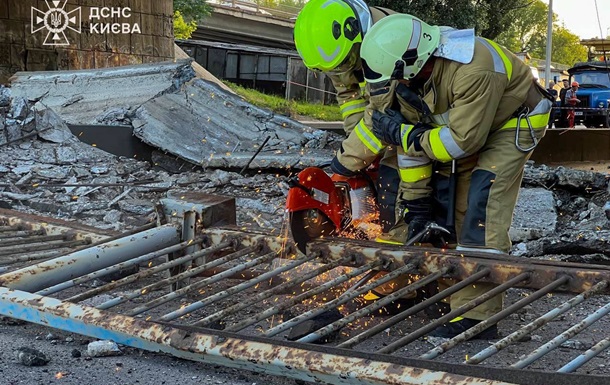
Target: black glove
[(417, 214), (388, 126), (415, 135), (340, 169)]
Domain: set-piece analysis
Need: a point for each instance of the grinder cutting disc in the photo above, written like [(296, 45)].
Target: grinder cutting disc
[(306, 225)]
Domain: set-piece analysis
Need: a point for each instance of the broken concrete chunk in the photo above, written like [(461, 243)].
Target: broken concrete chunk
[(50, 126), (535, 215), (5, 96), (31, 357), (103, 349), (113, 216), (137, 206), (65, 155), (19, 109)]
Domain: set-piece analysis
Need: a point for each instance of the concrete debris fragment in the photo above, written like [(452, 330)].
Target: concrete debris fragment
[(31, 357), (103, 349), (535, 215)]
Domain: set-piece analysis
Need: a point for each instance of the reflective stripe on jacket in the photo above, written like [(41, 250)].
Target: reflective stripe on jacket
[(471, 100)]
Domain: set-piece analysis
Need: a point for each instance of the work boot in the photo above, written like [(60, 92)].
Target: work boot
[(397, 235), (459, 325)]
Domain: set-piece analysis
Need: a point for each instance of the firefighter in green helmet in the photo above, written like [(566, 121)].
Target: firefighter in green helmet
[(328, 35)]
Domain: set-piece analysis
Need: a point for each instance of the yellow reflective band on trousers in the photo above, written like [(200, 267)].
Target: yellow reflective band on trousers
[(507, 64), (538, 122), (368, 138), (352, 107), (438, 147), (415, 174)]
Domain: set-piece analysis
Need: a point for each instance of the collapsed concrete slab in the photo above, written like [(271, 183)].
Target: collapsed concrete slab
[(173, 110), (207, 126), (83, 96)]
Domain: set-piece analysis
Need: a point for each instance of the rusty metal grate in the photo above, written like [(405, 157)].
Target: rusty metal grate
[(256, 289)]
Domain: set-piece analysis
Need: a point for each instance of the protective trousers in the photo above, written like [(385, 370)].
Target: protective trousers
[(487, 190)]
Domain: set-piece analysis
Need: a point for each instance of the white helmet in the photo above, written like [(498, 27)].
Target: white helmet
[(397, 47)]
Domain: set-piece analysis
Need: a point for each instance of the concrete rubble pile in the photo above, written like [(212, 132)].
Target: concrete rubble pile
[(45, 169), (169, 108)]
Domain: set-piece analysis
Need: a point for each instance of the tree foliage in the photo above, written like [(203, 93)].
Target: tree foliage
[(528, 33), (182, 29), (488, 17), (192, 9)]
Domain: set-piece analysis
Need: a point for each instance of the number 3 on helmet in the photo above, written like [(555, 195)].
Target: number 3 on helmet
[(397, 47)]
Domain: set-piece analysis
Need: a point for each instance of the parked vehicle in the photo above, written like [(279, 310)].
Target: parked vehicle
[(594, 93)]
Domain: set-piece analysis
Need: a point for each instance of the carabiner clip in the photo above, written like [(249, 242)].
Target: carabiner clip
[(525, 115)]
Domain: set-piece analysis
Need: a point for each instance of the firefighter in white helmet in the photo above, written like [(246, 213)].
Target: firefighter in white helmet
[(489, 114)]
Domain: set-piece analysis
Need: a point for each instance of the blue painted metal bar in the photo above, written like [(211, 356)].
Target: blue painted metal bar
[(536, 324), (79, 263), (563, 337), (230, 351), (115, 268), (586, 356)]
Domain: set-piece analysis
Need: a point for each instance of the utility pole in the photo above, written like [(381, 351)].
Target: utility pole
[(549, 45)]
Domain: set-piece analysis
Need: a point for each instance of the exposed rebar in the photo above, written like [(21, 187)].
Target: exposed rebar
[(233, 290), (413, 310), (302, 296), (391, 348), (268, 293), (586, 356), (328, 329), (563, 337), (199, 284), (536, 324), (484, 325), (344, 298)]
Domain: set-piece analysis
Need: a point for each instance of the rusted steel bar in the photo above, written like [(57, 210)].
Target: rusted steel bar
[(11, 228), (586, 356), (394, 346), (20, 234), (30, 240), (268, 293), (115, 268), (502, 266), (85, 261), (302, 296), (343, 298), (188, 232), (21, 249), (143, 274), (536, 324), (199, 284), (229, 350), (412, 310), (483, 325), (233, 290), (328, 329), (35, 257), (563, 337)]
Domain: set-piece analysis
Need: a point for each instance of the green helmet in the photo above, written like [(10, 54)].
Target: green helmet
[(326, 32), (397, 47)]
